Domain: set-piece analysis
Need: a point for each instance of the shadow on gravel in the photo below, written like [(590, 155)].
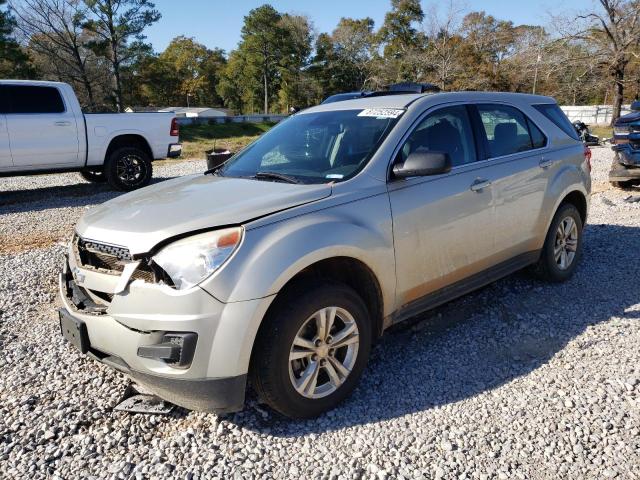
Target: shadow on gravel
[(60, 196), (483, 340)]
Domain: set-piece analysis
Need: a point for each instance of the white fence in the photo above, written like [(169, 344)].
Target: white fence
[(234, 119), (592, 114)]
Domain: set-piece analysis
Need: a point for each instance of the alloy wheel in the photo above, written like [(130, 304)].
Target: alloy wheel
[(130, 169), (324, 352), (566, 243)]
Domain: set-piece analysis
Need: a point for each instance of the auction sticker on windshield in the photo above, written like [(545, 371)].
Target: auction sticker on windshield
[(381, 112)]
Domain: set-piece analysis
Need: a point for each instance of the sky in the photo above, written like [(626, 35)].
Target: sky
[(217, 23)]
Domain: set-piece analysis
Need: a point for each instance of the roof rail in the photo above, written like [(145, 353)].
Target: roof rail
[(404, 88), (412, 87)]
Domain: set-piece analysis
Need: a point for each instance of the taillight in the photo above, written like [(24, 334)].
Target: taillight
[(587, 157), (175, 128)]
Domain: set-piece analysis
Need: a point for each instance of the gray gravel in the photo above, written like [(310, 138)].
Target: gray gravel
[(519, 380)]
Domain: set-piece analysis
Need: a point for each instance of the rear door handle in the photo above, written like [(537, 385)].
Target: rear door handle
[(480, 184), (62, 124), (545, 163)]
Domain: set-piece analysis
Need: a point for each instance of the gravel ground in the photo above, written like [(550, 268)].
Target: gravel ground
[(519, 380)]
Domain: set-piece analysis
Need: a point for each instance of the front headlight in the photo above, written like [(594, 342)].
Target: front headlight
[(190, 260)]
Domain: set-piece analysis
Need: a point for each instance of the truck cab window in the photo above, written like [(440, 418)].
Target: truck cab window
[(30, 99)]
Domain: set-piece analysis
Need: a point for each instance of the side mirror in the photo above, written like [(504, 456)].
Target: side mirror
[(420, 164), (635, 106)]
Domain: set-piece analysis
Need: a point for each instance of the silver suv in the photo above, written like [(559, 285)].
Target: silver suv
[(283, 266)]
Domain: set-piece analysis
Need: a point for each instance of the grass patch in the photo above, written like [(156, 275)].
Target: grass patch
[(197, 139), (602, 131)]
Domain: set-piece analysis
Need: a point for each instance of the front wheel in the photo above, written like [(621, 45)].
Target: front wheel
[(312, 350), (562, 247), (128, 168)]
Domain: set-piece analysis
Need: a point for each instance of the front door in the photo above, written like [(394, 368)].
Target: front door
[(442, 224), (42, 130)]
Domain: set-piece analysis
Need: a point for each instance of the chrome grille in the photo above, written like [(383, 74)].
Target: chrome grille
[(101, 256)]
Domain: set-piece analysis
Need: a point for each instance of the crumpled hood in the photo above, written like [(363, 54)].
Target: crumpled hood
[(141, 219)]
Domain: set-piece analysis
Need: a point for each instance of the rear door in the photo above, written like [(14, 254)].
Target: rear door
[(519, 166), (42, 129), (5, 148)]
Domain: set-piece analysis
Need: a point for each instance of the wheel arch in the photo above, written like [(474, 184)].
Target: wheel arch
[(578, 200), (343, 269), (128, 140)]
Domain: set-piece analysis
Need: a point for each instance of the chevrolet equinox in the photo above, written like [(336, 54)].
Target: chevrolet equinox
[(281, 267)]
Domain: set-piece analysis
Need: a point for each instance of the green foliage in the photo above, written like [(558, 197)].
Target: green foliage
[(185, 68), (117, 27), (14, 62), (267, 68)]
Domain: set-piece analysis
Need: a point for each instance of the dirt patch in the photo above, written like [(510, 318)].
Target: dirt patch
[(22, 244)]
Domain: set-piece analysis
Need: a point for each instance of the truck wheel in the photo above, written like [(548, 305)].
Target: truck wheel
[(310, 354), (128, 168), (96, 176), (562, 247)]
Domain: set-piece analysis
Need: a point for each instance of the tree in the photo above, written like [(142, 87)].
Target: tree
[(261, 45), (13, 61), (185, 68), (401, 41), (54, 32), (118, 27), (613, 33)]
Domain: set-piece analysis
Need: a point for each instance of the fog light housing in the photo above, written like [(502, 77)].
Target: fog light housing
[(176, 349)]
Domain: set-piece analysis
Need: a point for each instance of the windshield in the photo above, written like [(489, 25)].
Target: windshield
[(314, 147)]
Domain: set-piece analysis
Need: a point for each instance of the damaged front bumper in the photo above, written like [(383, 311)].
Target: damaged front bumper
[(184, 346)]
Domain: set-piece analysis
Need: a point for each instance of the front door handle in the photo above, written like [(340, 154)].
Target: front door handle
[(545, 163), (480, 184), (62, 124)]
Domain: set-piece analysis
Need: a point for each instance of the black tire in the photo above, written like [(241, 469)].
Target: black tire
[(547, 268), (626, 184), (270, 367), (93, 176), (128, 168)]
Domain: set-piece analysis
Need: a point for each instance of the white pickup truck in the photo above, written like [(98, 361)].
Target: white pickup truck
[(43, 130)]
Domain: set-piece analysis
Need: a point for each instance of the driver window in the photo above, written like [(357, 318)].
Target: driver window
[(445, 130)]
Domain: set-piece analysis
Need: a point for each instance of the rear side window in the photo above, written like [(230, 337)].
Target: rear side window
[(508, 131), (554, 113), (32, 99), (537, 137)]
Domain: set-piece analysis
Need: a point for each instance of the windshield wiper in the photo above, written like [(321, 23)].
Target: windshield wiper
[(277, 176)]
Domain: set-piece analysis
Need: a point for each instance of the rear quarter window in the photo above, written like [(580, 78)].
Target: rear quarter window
[(33, 99), (554, 113)]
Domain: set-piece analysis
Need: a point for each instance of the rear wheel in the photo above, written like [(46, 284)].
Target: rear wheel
[(311, 352), (96, 176), (128, 168), (562, 247)]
